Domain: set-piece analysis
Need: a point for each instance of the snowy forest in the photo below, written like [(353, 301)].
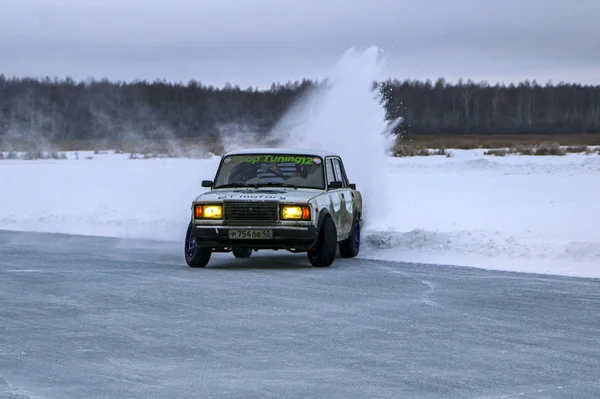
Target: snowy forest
[(66, 109)]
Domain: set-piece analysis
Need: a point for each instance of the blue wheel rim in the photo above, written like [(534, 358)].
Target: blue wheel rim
[(190, 243), (357, 234)]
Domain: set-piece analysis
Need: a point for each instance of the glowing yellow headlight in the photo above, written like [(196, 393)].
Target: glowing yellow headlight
[(208, 211), (213, 211), (295, 212)]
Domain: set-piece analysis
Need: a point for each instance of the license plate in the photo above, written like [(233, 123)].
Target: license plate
[(251, 234)]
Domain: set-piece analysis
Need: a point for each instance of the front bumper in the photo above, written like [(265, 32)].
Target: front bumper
[(284, 237)]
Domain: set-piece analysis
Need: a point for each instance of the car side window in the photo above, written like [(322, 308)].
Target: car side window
[(329, 171), (339, 175)]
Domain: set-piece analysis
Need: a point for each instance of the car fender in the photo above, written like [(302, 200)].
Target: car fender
[(323, 213), (358, 203), (324, 208)]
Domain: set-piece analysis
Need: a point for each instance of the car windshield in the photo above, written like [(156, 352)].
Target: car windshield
[(255, 170)]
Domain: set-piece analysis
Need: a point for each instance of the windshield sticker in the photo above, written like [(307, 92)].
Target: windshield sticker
[(283, 159), (227, 160), (317, 161)]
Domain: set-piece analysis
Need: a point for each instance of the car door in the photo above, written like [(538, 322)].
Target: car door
[(346, 198), (341, 198)]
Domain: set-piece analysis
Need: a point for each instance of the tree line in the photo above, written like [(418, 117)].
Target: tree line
[(480, 108), (100, 109)]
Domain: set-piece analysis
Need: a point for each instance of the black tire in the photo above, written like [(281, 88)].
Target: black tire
[(326, 247), (242, 252), (195, 256), (350, 247)]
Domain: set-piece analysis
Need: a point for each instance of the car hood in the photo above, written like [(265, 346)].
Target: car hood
[(259, 194)]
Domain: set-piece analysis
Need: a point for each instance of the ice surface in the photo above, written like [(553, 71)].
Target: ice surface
[(91, 318), (516, 213)]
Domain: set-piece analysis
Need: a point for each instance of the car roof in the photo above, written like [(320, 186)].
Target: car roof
[(283, 151)]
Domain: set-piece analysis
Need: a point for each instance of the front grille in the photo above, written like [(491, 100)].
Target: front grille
[(250, 211)]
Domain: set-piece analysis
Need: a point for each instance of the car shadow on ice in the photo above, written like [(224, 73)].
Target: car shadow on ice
[(261, 261)]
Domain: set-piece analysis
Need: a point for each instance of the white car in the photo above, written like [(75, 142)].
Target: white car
[(273, 198)]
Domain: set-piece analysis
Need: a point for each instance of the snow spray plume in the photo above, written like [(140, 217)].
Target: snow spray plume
[(236, 136), (30, 129), (346, 115)]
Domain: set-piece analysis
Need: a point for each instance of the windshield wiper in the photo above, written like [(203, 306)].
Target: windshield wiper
[(256, 185), (279, 184), (236, 185)]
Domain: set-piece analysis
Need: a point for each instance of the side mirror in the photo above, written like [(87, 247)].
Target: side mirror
[(353, 186), (334, 185), (207, 183)]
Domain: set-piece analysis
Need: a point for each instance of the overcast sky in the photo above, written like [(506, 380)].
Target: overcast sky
[(256, 42)]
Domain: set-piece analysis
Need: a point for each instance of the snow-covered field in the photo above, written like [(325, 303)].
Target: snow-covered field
[(519, 213)]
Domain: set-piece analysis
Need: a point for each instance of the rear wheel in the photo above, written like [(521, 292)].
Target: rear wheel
[(195, 256), (350, 247), (242, 252), (324, 252)]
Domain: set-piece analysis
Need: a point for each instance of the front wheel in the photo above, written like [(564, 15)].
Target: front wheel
[(324, 252), (195, 256)]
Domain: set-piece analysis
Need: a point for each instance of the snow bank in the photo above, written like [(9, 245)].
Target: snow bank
[(514, 213), (109, 195), (518, 213)]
